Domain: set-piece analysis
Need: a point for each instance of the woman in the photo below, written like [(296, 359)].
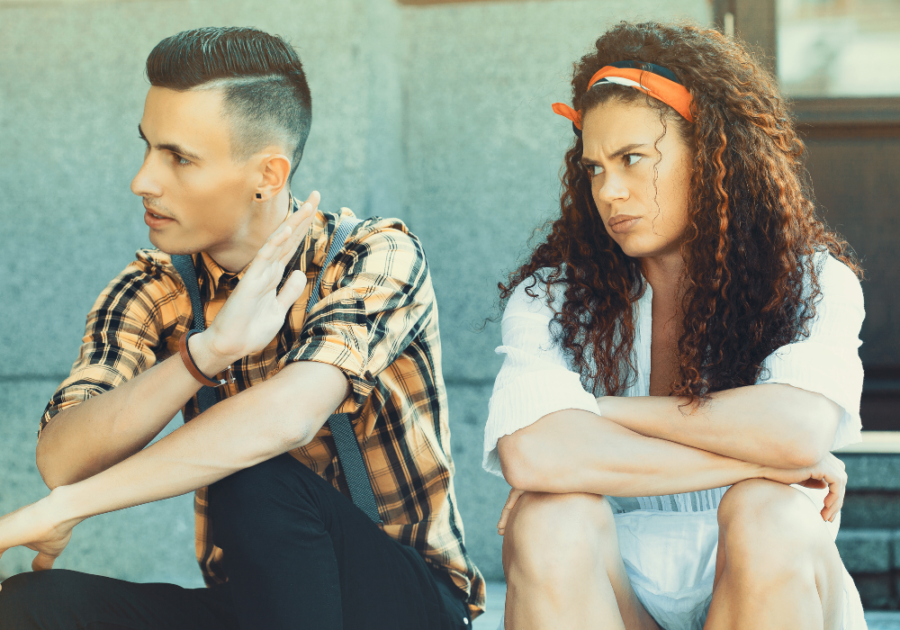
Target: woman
[(679, 350)]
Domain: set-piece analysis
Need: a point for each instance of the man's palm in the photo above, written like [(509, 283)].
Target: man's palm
[(255, 312)]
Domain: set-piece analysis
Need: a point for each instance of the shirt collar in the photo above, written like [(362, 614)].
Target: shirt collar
[(217, 275)]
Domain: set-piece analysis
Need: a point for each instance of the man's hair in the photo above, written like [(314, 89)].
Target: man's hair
[(266, 95)]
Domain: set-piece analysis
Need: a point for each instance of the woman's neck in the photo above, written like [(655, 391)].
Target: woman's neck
[(665, 275)]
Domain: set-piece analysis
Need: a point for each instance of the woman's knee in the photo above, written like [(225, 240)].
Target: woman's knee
[(551, 536), (770, 525)]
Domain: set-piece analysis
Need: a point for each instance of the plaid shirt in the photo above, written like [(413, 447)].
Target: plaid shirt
[(377, 321)]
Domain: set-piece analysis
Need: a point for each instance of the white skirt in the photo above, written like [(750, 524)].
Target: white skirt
[(670, 558), (677, 591)]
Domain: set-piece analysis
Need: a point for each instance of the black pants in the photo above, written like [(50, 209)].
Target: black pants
[(298, 555)]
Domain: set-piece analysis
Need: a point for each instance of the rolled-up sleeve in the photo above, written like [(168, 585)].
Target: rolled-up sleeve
[(535, 379), (827, 361), (122, 335), (380, 301)]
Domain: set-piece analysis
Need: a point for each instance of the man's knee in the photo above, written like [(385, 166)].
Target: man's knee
[(26, 599), (770, 527), (552, 537)]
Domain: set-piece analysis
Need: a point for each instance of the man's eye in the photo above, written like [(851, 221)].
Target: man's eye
[(180, 161), (632, 158)]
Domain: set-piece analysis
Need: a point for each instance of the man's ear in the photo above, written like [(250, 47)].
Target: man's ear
[(274, 168)]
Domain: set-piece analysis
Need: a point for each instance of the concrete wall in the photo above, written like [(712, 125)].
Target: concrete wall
[(439, 115)]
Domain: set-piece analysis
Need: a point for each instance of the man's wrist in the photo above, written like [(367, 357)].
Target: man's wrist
[(60, 506), (203, 351)]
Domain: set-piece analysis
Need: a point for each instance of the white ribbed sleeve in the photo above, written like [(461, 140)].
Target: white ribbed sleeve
[(535, 379), (827, 362)]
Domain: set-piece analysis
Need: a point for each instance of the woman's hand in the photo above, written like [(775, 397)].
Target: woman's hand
[(255, 311), (510, 503), (41, 528), (828, 472)]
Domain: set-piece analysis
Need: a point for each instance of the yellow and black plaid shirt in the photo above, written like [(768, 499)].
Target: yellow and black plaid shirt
[(377, 321)]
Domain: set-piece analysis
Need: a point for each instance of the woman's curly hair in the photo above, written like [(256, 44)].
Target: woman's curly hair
[(752, 226)]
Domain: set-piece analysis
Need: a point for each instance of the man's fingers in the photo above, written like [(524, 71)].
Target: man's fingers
[(283, 242), (270, 249), (292, 289), (313, 199), (299, 223), (43, 562)]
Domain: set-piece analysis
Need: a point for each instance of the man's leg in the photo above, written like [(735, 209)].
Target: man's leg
[(300, 555), (67, 600)]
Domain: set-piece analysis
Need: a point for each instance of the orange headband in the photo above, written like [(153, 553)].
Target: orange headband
[(659, 87)]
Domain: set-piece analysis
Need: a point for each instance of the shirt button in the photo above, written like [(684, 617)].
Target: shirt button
[(465, 621)]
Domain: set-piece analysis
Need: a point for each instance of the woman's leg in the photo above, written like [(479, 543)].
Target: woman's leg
[(777, 565), (563, 567)]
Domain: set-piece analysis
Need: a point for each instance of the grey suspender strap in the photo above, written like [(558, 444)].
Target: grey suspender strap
[(344, 438), (345, 441), (184, 265)]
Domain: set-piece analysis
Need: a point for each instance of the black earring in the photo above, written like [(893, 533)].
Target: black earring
[(258, 196)]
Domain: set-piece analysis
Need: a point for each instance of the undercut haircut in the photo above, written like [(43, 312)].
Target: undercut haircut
[(265, 93)]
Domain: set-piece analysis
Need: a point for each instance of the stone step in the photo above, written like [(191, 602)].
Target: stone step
[(877, 510), (869, 540)]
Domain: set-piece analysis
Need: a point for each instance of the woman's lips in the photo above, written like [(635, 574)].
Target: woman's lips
[(622, 224), (156, 221)]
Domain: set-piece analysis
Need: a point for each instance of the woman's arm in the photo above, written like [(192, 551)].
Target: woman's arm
[(772, 425), (578, 451)]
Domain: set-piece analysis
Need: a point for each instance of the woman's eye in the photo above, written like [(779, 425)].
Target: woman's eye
[(593, 169), (632, 158)]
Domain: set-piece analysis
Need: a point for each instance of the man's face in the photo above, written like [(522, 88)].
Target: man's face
[(196, 197)]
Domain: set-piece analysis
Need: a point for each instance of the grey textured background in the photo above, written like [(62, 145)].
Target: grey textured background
[(438, 115)]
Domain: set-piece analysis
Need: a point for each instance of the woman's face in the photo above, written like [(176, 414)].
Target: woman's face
[(641, 190)]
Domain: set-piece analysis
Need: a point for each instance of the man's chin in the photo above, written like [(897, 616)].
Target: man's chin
[(172, 246)]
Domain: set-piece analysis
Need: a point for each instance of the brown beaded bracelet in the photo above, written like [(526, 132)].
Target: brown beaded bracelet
[(191, 365)]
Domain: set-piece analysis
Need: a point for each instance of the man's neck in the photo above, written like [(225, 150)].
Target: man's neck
[(245, 244)]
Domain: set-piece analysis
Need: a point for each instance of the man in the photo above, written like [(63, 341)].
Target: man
[(279, 543)]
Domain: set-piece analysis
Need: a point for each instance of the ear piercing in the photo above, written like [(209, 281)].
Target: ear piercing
[(258, 196)]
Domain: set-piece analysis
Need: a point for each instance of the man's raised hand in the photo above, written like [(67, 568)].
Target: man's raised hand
[(255, 312)]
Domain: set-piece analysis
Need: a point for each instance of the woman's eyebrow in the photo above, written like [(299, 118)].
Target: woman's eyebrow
[(617, 153), (626, 149)]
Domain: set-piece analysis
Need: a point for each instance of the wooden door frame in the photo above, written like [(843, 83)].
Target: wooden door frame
[(755, 22)]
